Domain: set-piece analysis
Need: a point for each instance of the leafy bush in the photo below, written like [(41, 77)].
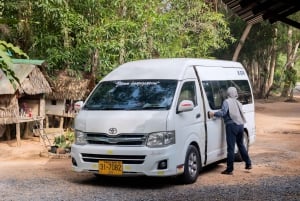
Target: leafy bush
[(65, 141)]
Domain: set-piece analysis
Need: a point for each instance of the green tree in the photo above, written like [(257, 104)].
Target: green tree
[(97, 35), (7, 50), (260, 54), (292, 41)]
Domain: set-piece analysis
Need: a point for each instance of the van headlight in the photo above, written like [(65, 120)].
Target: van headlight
[(80, 138), (161, 139)]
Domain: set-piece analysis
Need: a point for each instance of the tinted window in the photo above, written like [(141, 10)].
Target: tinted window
[(216, 91), (132, 95)]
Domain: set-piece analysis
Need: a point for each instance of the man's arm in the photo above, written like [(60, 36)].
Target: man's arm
[(220, 113)]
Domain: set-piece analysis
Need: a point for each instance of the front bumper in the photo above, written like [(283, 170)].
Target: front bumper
[(136, 160)]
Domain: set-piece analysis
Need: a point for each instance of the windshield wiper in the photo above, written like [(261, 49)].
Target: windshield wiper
[(112, 108), (102, 108), (91, 107), (153, 107)]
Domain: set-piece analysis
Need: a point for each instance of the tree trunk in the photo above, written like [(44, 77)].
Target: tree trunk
[(291, 96), (269, 84), (253, 75), (256, 74), (290, 72), (294, 72), (257, 79), (122, 51), (95, 65), (286, 86), (241, 42)]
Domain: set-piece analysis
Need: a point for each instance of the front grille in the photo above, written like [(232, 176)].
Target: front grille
[(126, 159), (121, 139)]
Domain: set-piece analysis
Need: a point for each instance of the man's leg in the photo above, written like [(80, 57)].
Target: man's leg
[(241, 147), (230, 139)]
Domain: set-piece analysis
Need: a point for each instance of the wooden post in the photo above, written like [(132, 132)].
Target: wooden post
[(7, 132), (2, 130), (18, 134), (41, 128), (27, 130), (42, 113), (61, 122), (47, 121), (42, 109)]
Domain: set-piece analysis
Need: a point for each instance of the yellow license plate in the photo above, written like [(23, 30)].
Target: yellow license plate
[(111, 167)]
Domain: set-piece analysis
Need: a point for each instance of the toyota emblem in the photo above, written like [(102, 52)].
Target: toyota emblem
[(112, 131)]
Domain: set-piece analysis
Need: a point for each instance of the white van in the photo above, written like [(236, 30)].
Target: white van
[(149, 117)]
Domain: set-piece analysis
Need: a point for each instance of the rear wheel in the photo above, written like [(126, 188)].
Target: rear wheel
[(238, 156), (191, 166)]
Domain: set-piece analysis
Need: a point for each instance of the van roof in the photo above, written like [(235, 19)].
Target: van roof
[(169, 68)]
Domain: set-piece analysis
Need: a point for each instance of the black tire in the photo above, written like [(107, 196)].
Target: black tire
[(238, 157), (98, 176), (192, 165)]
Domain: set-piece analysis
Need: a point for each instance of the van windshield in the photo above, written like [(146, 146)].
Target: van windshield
[(132, 95)]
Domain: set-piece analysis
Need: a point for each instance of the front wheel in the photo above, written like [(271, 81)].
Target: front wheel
[(191, 166)]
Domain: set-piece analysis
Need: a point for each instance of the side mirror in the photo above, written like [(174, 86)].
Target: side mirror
[(78, 105), (185, 105)]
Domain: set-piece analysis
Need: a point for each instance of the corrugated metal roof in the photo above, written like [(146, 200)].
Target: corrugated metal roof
[(254, 11), (28, 61)]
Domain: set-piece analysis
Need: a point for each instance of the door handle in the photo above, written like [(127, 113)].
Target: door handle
[(197, 116)]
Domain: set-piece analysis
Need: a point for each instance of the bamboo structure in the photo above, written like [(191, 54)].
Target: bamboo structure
[(66, 87), (65, 91), (29, 92)]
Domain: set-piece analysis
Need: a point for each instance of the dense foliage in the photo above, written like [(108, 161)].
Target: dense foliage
[(95, 36), (68, 33), (270, 54)]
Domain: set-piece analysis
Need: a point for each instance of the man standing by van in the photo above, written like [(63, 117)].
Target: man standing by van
[(234, 120)]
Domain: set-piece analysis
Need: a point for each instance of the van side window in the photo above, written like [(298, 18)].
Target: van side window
[(188, 92), (243, 89), (216, 91)]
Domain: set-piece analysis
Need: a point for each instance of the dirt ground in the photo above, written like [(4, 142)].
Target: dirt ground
[(276, 151)]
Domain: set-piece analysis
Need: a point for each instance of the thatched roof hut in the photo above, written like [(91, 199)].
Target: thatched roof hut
[(67, 87), (66, 90), (32, 82)]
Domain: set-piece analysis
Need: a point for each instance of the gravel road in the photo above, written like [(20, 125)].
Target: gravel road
[(275, 175), (54, 182)]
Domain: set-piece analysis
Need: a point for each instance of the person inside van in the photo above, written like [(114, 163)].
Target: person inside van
[(234, 120)]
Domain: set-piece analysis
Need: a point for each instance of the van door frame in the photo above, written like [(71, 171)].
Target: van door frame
[(205, 112)]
